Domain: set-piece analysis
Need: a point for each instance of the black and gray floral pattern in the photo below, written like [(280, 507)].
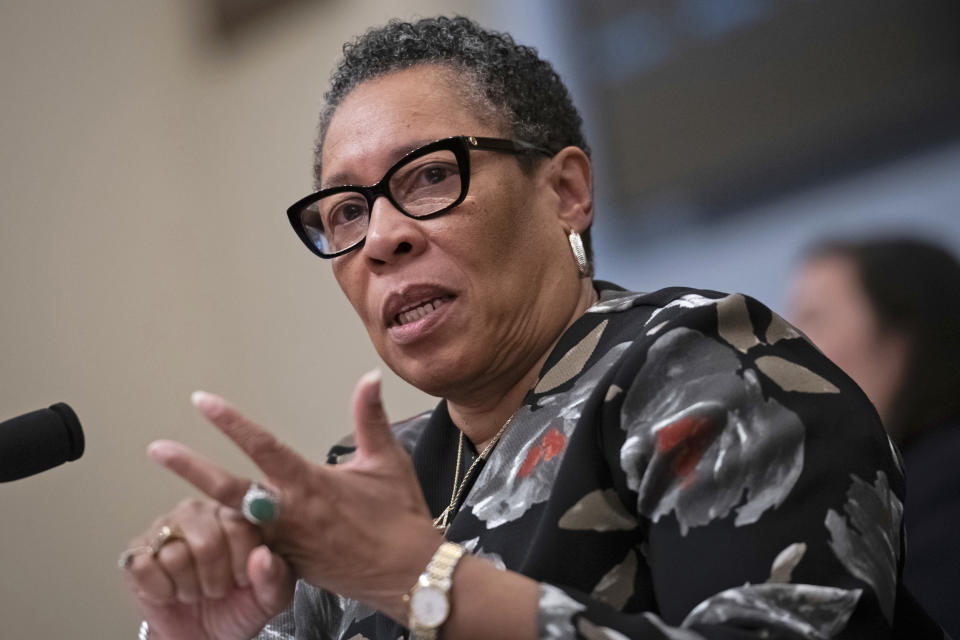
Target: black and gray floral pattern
[(687, 466)]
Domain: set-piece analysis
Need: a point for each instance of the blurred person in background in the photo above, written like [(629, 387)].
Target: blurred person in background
[(602, 464), (887, 311)]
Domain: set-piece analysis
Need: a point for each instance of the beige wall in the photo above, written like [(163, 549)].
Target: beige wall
[(144, 253)]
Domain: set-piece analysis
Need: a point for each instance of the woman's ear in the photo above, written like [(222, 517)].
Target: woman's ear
[(572, 182)]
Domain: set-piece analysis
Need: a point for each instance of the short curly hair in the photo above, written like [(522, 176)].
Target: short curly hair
[(509, 80)]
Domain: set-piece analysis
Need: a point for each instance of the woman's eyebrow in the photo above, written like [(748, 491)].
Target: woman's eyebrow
[(343, 178)]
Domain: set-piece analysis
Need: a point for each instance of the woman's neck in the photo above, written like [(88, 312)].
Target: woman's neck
[(481, 416)]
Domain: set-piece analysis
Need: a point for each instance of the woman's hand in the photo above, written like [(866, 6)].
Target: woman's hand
[(212, 578), (361, 529)]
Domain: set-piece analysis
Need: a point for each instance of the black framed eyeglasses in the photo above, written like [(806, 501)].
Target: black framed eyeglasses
[(425, 183)]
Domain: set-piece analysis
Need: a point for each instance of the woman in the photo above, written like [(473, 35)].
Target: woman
[(602, 464), (885, 309)]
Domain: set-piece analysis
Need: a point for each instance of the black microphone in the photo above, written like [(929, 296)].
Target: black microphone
[(38, 441)]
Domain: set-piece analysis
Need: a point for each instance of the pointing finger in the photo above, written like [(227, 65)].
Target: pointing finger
[(207, 476), (274, 458)]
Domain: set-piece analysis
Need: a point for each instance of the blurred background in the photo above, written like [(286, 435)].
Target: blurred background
[(149, 150)]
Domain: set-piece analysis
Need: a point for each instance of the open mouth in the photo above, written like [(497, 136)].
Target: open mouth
[(419, 311)]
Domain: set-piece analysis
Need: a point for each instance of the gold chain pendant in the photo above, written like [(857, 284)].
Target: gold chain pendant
[(443, 521)]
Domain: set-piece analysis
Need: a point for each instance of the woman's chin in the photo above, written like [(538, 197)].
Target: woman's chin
[(436, 374), (435, 382)]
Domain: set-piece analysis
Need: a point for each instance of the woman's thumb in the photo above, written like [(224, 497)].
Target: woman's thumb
[(372, 428), (271, 579)]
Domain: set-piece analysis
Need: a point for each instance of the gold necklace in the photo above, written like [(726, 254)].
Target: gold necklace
[(442, 522)]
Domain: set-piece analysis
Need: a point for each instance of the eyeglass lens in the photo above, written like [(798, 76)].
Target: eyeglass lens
[(419, 187)]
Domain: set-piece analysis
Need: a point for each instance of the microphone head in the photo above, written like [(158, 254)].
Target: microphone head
[(75, 440), (38, 441)]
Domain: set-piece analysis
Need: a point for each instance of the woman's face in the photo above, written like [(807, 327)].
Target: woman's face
[(828, 303), (455, 302)]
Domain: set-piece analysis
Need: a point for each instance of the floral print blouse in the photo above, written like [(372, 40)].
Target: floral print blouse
[(687, 466)]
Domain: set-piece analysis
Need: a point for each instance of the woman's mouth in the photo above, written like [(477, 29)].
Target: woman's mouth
[(419, 311)]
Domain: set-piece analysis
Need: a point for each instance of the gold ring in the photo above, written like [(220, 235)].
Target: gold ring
[(162, 537), (165, 535)]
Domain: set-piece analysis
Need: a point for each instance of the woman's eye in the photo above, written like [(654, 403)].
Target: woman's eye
[(352, 212), (431, 177), (435, 174), (347, 213), (431, 174)]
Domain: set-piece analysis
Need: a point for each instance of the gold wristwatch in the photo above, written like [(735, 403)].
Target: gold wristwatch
[(430, 597)]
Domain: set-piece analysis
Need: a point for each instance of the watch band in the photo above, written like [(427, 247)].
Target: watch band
[(430, 597)]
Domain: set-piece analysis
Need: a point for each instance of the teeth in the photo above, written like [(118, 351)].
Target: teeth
[(414, 314)]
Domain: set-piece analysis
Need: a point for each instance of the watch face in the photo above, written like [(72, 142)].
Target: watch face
[(429, 606)]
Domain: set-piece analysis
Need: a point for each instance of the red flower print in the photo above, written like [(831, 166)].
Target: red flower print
[(553, 444), (547, 449), (686, 440)]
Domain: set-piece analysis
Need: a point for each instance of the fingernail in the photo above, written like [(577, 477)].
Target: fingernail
[(208, 403), (372, 380), (159, 450), (199, 399)]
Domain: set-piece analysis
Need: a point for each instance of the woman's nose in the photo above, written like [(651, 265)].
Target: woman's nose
[(390, 234)]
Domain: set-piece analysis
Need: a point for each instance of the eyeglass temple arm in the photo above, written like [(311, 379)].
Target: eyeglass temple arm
[(508, 146)]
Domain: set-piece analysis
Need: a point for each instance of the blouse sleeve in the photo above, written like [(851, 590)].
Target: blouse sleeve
[(314, 615), (767, 494)]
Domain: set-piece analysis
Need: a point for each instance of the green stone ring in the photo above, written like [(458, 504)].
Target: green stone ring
[(260, 505)]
